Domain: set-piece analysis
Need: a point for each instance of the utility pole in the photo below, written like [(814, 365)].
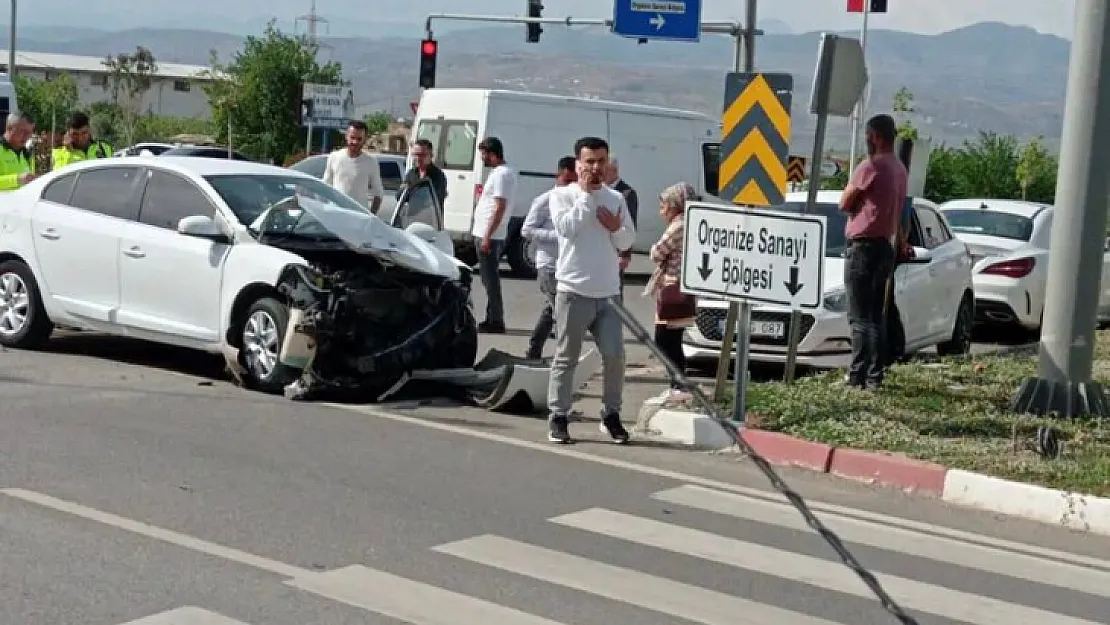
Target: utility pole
[(11, 46), (859, 112), (1064, 384), (733, 319)]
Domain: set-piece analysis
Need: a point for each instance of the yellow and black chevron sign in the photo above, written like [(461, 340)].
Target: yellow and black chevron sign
[(796, 169), (755, 138)]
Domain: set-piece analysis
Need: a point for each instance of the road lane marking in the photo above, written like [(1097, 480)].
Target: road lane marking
[(973, 556), (743, 491), (150, 531), (409, 601), (819, 572), (627, 586), (188, 615)]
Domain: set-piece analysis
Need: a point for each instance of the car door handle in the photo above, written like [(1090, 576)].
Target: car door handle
[(134, 252), (51, 234)]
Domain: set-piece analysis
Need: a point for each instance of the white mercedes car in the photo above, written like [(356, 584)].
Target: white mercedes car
[(934, 296), (1009, 241), (232, 257)]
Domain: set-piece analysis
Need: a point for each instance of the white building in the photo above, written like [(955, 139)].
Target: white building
[(175, 90)]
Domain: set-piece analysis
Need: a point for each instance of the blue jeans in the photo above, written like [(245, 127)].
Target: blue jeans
[(867, 266), (489, 269)]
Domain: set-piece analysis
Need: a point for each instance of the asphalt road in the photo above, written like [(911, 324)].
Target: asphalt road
[(159, 491)]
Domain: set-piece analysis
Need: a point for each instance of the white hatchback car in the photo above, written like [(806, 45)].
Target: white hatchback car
[(934, 297), (1009, 241), (231, 257)]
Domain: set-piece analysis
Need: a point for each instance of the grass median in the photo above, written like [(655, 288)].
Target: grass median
[(954, 412)]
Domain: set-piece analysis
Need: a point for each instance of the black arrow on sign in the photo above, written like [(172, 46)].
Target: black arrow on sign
[(704, 270), (793, 285)]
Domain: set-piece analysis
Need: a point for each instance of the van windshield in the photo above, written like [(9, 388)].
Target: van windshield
[(454, 142)]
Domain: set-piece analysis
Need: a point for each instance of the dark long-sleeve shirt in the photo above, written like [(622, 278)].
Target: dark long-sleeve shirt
[(435, 174)]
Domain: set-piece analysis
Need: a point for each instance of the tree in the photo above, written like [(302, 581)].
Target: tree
[(48, 102), (903, 106), (377, 122), (259, 91), (130, 76), (1036, 171)]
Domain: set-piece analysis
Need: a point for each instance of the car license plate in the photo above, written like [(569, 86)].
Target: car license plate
[(773, 329)]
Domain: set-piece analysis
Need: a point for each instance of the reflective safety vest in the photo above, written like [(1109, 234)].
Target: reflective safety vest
[(63, 156), (14, 163)]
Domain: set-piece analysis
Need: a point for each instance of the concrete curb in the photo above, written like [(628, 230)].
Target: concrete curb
[(1074, 511)]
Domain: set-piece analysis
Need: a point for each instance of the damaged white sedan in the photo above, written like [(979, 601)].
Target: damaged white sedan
[(299, 286)]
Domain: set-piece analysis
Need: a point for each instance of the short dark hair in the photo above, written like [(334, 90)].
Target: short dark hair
[(494, 146), (78, 120), (590, 143), (566, 163), (357, 124), (883, 126), (424, 143)]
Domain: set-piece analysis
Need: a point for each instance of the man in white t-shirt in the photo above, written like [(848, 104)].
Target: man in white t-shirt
[(594, 227), (354, 172), (491, 227)]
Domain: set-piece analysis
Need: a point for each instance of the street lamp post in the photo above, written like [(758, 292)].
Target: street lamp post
[(11, 43)]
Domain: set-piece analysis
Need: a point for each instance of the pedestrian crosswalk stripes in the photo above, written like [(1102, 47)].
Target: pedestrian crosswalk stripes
[(409, 601), (1088, 575), (188, 615), (827, 574), (672, 598), (563, 574)]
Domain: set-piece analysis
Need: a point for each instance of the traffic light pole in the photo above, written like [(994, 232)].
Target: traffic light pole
[(733, 29)]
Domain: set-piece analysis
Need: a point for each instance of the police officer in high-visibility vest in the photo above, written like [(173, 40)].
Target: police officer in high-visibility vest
[(79, 144), (17, 164)]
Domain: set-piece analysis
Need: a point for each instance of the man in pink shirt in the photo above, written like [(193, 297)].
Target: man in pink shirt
[(873, 201)]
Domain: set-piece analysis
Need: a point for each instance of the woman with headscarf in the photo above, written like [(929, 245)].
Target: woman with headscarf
[(674, 310)]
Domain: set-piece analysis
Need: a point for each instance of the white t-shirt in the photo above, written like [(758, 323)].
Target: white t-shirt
[(501, 184), (357, 177)]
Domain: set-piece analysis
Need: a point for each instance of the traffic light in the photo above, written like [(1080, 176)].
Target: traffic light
[(535, 9), (878, 6), (428, 49)]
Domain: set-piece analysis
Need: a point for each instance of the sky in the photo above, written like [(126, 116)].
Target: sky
[(924, 16)]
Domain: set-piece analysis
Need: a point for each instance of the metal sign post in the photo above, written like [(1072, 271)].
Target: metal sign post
[(838, 84), (753, 256)]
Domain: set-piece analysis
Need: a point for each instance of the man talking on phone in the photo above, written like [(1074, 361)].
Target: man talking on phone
[(593, 226)]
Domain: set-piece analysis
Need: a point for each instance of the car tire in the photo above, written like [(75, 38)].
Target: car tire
[(519, 254), (960, 343), (19, 291), (262, 334)]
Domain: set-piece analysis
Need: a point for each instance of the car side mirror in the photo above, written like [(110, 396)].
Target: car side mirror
[(202, 227), (921, 256)]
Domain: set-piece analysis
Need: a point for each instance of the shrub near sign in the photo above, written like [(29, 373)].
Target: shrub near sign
[(759, 256)]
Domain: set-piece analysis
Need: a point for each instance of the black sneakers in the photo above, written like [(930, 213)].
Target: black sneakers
[(611, 425), (558, 432)]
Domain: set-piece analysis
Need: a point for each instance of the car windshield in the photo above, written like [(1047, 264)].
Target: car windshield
[(313, 166), (990, 224), (835, 221), (250, 195)]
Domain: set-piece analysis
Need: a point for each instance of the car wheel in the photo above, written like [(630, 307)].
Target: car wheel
[(23, 320), (519, 253), (262, 335), (961, 333)]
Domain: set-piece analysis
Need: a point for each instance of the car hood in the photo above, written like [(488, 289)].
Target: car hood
[(365, 233)]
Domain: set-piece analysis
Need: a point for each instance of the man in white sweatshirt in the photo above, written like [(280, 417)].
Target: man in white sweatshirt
[(594, 226)]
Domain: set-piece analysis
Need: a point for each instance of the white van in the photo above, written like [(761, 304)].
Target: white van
[(7, 97), (655, 146)]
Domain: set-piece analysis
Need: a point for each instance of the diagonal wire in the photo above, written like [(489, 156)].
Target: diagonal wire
[(777, 482)]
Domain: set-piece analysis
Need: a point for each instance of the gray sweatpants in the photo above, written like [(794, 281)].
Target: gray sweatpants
[(574, 316)]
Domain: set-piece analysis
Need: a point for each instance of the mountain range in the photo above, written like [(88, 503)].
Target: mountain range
[(987, 76)]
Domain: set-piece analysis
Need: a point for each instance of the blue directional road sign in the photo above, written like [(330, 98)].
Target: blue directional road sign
[(669, 20)]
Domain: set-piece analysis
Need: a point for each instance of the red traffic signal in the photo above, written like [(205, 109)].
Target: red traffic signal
[(428, 49)]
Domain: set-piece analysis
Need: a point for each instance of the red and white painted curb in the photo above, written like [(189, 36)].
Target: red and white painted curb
[(974, 490)]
